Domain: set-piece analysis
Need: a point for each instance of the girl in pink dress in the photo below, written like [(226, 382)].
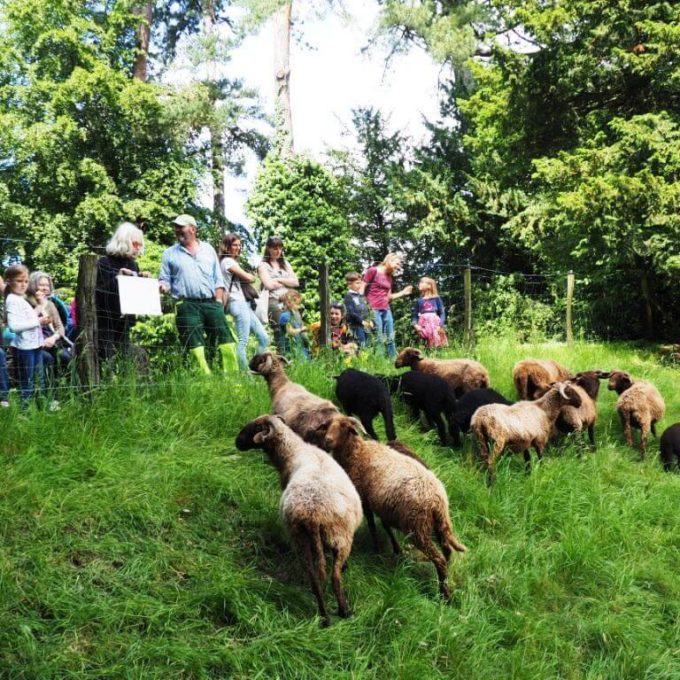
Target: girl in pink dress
[(428, 315)]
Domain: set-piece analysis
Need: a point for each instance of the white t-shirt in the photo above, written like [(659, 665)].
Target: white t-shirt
[(23, 321), (234, 289)]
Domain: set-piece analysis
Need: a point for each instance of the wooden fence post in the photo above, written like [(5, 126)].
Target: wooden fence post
[(325, 302), (570, 298), (467, 292), (88, 360)]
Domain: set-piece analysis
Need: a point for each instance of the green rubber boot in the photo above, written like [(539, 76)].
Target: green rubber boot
[(229, 357), (199, 355)]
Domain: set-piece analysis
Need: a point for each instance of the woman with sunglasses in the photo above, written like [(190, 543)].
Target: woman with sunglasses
[(113, 330)]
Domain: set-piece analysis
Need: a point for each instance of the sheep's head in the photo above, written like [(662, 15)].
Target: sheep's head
[(408, 357), (339, 430), (589, 381), (266, 363), (619, 381), (258, 432)]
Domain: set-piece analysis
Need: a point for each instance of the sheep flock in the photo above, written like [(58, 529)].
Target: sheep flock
[(334, 472)]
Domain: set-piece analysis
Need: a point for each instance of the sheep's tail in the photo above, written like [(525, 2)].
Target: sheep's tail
[(444, 530), (317, 549), (388, 417)]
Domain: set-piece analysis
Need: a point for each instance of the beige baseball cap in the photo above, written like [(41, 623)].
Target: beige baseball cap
[(185, 221)]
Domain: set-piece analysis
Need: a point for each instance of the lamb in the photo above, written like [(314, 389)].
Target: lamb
[(639, 405), (520, 426), (536, 375), (403, 493), (304, 412), (466, 407), (462, 375), (670, 446), (320, 508), (366, 396)]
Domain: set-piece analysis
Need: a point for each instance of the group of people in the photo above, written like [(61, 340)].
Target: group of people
[(208, 286)]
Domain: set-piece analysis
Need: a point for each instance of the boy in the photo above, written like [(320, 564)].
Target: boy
[(293, 331), (357, 311)]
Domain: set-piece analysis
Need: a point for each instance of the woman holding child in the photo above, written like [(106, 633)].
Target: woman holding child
[(238, 307)]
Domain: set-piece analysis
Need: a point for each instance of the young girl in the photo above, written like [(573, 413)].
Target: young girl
[(428, 314), (4, 375), (293, 331), (24, 322)]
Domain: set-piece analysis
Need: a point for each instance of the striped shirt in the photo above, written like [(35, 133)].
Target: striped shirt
[(191, 276)]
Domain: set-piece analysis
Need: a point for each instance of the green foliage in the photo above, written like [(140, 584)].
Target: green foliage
[(298, 200), (158, 336)]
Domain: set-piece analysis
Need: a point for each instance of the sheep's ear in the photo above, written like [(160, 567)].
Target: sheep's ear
[(264, 433), (283, 359), (357, 426), (603, 375)]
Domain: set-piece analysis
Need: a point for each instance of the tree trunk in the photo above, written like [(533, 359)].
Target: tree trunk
[(649, 320), (145, 12), (217, 164), (284, 118)]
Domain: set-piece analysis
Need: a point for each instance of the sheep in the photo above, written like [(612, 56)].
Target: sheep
[(670, 446), (301, 410), (536, 375), (639, 405), (462, 375), (427, 393), (320, 508), (581, 418), (520, 426), (466, 407), (366, 396), (403, 493)]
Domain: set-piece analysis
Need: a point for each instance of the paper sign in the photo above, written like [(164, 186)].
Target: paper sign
[(139, 295)]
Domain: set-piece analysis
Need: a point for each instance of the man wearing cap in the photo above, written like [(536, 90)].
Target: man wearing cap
[(190, 272)]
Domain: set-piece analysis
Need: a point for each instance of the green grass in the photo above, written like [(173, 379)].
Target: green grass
[(136, 542)]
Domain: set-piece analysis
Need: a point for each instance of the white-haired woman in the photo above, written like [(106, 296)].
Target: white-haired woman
[(113, 329)]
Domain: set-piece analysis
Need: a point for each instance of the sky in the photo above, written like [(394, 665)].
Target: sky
[(330, 76)]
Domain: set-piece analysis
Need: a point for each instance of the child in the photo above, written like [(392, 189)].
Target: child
[(24, 321), (293, 331), (358, 314), (4, 374), (340, 337), (428, 314)]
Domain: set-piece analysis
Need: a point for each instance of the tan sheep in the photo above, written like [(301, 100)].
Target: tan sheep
[(536, 375), (320, 508), (639, 406), (304, 412), (520, 426), (462, 375), (400, 490)]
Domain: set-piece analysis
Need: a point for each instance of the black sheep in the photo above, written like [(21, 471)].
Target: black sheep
[(670, 446), (427, 393), (466, 407), (365, 396)]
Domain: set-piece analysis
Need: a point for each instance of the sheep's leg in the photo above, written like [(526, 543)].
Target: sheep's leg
[(441, 428), (423, 541), (368, 426), (338, 567), (388, 530), (654, 429), (304, 543), (444, 533), (644, 433), (627, 430), (454, 430), (591, 434), (370, 520), (527, 461)]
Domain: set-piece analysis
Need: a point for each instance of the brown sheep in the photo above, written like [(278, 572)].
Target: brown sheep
[(639, 406), (462, 375), (401, 491), (304, 412), (520, 426), (532, 376), (320, 507)]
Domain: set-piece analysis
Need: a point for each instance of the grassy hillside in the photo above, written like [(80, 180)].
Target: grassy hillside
[(136, 542)]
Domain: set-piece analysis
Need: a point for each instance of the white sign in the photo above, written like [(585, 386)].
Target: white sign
[(139, 296)]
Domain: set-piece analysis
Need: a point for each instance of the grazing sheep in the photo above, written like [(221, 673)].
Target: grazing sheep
[(320, 508), (520, 426), (670, 446), (583, 417), (403, 493), (536, 375), (365, 396), (466, 407), (639, 406), (462, 375), (301, 410)]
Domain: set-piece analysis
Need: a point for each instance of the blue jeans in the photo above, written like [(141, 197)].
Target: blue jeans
[(384, 329), (359, 332), (30, 363), (4, 376), (247, 323)]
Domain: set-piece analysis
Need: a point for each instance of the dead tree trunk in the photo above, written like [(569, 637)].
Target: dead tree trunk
[(282, 25)]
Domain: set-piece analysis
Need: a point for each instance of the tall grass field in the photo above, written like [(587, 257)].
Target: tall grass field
[(137, 542)]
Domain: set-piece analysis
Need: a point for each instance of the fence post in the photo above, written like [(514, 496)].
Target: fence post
[(570, 297), (467, 292), (325, 302), (88, 360)]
